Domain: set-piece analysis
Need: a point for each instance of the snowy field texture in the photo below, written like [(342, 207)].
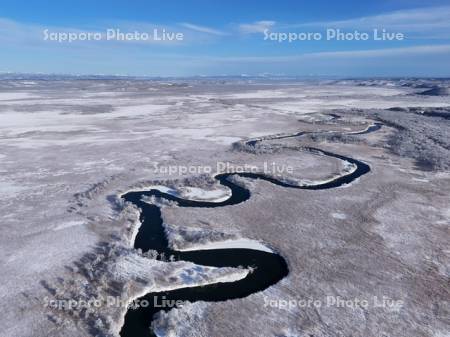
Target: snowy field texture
[(69, 147)]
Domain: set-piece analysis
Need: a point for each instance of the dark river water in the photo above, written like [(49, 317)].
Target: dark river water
[(269, 268)]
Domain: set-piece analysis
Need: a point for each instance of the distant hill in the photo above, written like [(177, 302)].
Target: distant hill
[(436, 91)]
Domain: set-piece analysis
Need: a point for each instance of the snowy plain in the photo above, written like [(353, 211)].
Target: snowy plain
[(70, 148)]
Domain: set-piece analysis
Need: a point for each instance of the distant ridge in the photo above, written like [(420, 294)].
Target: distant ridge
[(436, 91)]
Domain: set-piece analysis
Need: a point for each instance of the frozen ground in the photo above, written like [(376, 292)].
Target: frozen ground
[(68, 148)]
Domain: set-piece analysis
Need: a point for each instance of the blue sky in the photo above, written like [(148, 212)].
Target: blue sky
[(227, 37)]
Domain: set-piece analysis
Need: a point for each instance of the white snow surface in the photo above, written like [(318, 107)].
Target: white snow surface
[(185, 274), (190, 193), (199, 194), (237, 243)]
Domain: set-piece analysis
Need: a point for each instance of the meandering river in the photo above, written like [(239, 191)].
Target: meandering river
[(268, 268)]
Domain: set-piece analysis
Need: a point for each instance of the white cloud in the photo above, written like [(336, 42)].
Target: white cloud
[(434, 20), (203, 29), (256, 27), (32, 35), (402, 51), (424, 60), (353, 54)]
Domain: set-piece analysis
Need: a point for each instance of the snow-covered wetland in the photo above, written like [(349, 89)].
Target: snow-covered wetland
[(366, 256)]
